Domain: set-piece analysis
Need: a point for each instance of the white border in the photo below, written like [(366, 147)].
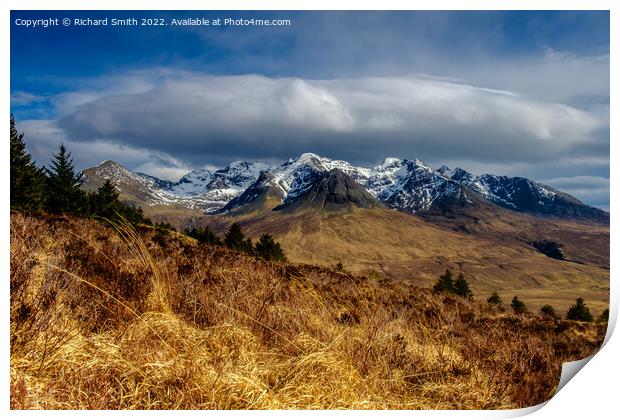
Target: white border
[(592, 394)]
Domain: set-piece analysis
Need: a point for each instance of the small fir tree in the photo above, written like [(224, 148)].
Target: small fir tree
[(104, 202), (268, 249), (518, 306), (548, 310), (579, 312), (235, 239), (494, 299), (604, 317), (445, 283), (461, 287), (204, 235)]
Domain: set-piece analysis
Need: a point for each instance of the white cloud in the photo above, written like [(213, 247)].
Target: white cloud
[(25, 98), (43, 138), (200, 118)]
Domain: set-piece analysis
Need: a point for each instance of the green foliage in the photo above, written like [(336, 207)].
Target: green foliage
[(27, 180), (236, 241), (604, 317), (268, 249), (203, 236), (163, 228), (57, 189), (104, 202), (547, 310), (494, 299), (579, 312), (63, 185), (445, 283), (461, 287), (518, 306)]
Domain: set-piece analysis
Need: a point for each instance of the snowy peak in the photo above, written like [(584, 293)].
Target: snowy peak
[(297, 175), (413, 186), (193, 183), (240, 174), (402, 184)]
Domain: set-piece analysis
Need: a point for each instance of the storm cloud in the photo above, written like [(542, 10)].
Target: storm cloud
[(210, 120)]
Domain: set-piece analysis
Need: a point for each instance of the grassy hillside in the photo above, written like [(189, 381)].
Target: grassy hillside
[(494, 252), (107, 319)]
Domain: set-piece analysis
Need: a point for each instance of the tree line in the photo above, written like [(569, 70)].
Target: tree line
[(266, 247), (58, 189), (579, 311)]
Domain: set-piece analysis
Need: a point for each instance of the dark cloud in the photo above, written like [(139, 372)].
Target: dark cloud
[(205, 119)]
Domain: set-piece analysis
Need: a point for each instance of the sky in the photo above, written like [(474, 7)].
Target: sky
[(511, 93)]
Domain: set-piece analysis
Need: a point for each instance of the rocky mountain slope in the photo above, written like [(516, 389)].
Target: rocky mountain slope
[(407, 185)]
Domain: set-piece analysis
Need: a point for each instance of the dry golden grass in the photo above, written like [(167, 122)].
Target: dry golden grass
[(105, 318), (408, 248)]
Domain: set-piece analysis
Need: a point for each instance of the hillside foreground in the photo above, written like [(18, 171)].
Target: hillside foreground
[(105, 318)]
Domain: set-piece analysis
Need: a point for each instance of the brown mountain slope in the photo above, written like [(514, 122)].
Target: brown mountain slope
[(402, 247)]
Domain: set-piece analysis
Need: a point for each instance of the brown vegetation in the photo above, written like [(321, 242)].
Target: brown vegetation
[(497, 257), (113, 319)]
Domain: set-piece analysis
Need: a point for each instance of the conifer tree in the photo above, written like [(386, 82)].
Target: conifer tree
[(268, 249), (104, 202), (63, 191), (235, 239), (494, 299), (203, 236), (27, 180), (548, 310), (579, 312), (461, 287), (445, 284), (518, 306)]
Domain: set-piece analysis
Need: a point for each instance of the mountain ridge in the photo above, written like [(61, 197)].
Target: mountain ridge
[(402, 184)]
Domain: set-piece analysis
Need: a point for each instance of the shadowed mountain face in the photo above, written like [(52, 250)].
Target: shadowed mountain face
[(332, 191), (524, 195), (260, 195)]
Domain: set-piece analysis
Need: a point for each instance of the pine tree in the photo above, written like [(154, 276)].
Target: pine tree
[(579, 312), (27, 181), (604, 317), (548, 310), (235, 239), (134, 215), (63, 192), (494, 299), (104, 202), (269, 249), (445, 284), (247, 247), (203, 236), (518, 306), (461, 287)]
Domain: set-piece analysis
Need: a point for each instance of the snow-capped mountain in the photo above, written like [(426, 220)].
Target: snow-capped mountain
[(297, 175), (199, 189), (402, 184), (413, 186), (524, 195)]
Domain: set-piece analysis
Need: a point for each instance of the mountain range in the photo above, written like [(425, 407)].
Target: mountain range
[(402, 184), (400, 221)]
